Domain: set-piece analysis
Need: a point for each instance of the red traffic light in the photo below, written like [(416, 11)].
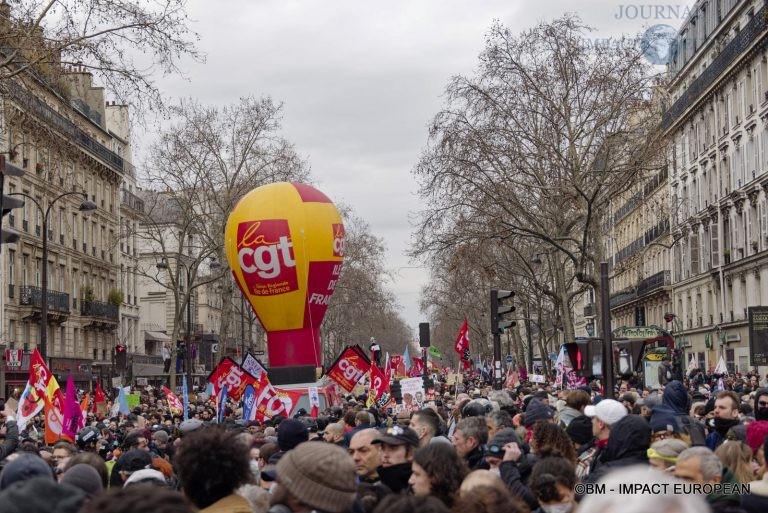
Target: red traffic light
[(120, 348), (668, 317)]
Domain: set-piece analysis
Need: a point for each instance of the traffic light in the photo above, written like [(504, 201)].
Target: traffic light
[(424, 334), (397, 391), (499, 309), (586, 355), (121, 357), (8, 203)]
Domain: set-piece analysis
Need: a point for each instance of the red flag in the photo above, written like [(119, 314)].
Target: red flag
[(174, 403), (99, 400), (462, 346), (417, 369), (349, 368), (397, 365), (378, 393)]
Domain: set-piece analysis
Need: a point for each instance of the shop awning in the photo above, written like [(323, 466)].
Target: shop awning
[(156, 335)]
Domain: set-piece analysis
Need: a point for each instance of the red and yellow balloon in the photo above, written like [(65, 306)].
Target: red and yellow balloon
[(285, 246)]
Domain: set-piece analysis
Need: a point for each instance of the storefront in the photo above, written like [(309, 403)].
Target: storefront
[(80, 370), (15, 371)]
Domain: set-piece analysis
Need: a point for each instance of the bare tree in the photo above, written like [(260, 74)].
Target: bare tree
[(362, 307), (124, 43), (200, 167), (533, 148)]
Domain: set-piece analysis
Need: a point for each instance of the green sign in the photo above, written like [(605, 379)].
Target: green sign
[(133, 400), (435, 352), (641, 332)]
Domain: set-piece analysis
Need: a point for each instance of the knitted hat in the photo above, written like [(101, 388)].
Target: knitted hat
[(756, 433), (41, 495), (535, 412), (502, 438), (85, 477), (580, 429), (24, 467), (322, 476), (290, 433)]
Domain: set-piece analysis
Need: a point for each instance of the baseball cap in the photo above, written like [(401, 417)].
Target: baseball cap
[(609, 411), (397, 435)]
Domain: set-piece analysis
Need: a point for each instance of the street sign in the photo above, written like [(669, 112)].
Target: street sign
[(214, 348), (508, 359), (258, 353)]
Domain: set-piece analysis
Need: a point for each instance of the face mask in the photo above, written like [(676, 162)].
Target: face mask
[(761, 414), (255, 470), (562, 507)]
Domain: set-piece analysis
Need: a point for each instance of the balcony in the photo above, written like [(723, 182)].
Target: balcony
[(732, 51), (58, 302), (67, 128), (100, 310), (132, 201), (656, 281), (623, 298)]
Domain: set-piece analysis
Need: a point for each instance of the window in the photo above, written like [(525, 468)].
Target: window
[(37, 272), (24, 270), (11, 268)]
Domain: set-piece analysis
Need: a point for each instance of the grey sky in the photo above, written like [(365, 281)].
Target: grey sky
[(361, 80)]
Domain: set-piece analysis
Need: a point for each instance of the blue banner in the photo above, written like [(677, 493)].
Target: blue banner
[(185, 397), (249, 398), (222, 405)]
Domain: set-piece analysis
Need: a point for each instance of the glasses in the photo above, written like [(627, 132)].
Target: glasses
[(661, 435)]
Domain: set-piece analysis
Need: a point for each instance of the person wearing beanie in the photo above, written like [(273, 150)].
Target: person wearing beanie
[(315, 477), (663, 453), (756, 433), (290, 433), (536, 412), (41, 495), (664, 424), (23, 467), (84, 477), (580, 432)]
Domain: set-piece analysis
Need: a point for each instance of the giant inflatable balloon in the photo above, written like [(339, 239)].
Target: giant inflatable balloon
[(285, 246)]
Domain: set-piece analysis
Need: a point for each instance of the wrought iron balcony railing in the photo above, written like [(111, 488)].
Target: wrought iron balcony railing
[(132, 201), (732, 51), (99, 309), (33, 296)]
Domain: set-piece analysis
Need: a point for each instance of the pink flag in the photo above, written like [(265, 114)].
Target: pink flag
[(72, 414)]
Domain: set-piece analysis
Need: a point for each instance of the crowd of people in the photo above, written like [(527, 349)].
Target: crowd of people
[(690, 446)]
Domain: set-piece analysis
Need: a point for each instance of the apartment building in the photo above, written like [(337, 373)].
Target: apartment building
[(63, 141), (718, 155)]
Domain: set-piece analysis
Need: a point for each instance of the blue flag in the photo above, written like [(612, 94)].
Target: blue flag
[(407, 359), (122, 401), (249, 398), (185, 397), (222, 405)]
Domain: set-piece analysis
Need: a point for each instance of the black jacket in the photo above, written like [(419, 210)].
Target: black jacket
[(628, 445), (510, 474), (11, 439), (476, 459)]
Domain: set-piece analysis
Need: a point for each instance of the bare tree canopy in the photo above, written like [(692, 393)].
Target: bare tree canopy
[(124, 43), (531, 149)]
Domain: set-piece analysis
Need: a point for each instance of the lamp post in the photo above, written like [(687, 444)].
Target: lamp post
[(87, 208), (163, 265)]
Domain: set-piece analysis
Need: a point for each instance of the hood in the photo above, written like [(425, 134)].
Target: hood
[(630, 438), (676, 398)]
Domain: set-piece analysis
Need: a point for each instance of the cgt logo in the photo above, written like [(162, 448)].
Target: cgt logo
[(349, 370), (265, 255), (338, 240)]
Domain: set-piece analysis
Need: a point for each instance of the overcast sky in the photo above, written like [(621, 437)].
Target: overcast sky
[(360, 81)]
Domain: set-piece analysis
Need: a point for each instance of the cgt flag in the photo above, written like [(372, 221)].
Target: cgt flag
[(462, 346), (378, 393), (174, 404), (350, 367)]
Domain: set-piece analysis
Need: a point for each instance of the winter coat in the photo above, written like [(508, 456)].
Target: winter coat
[(510, 474), (722, 503), (628, 445), (395, 476), (677, 400), (229, 504), (567, 414)]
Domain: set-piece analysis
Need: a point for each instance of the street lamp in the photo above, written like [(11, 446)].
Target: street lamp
[(163, 265), (87, 208)]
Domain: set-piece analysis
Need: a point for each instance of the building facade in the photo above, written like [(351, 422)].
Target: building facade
[(718, 176)]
